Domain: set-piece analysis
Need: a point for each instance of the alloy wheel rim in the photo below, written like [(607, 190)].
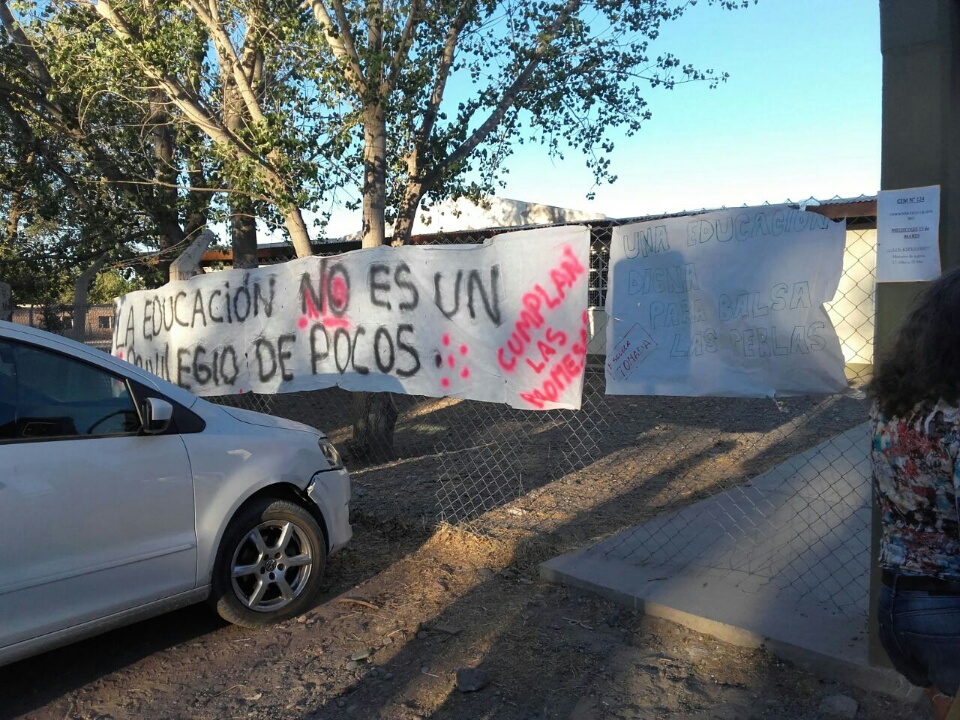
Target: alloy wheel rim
[(271, 566)]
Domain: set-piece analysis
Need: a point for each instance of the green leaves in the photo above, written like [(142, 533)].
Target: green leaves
[(480, 77), (161, 111)]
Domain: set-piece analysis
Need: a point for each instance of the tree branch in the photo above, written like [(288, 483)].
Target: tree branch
[(65, 124), (443, 73), (29, 137), (508, 98), (188, 103), (38, 99), (10, 24), (343, 50), (200, 189), (403, 47), (251, 57), (227, 55), (344, 24)]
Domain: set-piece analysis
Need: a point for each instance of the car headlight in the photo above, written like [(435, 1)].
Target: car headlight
[(330, 453)]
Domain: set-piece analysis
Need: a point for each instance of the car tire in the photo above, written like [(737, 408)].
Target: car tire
[(269, 565)]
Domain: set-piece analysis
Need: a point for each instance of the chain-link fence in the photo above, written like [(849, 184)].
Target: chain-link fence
[(774, 490)]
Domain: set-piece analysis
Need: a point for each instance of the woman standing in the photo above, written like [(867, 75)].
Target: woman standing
[(916, 468)]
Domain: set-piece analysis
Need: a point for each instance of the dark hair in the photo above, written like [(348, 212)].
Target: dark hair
[(924, 363)]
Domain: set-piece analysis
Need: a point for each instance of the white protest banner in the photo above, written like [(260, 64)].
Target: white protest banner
[(726, 303), (908, 234), (501, 322)]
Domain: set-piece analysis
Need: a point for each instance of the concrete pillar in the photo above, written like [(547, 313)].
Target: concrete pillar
[(188, 263), (920, 145), (920, 141)]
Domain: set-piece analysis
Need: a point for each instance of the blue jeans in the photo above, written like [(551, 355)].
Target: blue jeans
[(921, 634)]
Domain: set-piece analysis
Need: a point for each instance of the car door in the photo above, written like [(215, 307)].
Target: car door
[(97, 517)]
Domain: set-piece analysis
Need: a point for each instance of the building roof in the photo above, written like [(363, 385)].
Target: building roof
[(859, 211)]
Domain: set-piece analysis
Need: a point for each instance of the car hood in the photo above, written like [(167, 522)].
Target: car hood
[(269, 421)]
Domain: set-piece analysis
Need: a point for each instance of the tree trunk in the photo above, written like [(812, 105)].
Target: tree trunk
[(374, 175), (197, 202), (166, 172), (403, 227), (243, 225), (376, 418), (80, 289), (243, 232), (297, 229), (15, 204), (13, 218), (375, 413)]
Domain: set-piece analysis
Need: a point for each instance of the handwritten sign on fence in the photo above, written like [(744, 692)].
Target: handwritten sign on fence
[(500, 322), (725, 303)]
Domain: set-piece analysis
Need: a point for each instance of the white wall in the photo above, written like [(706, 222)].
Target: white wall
[(853, 310), (495, 212)]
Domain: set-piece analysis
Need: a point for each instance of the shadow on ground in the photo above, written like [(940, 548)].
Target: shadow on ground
[(421, 605), (44, 680), (551, 652)]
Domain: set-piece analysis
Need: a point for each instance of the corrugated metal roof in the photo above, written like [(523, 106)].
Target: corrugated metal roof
[(837, 200), (862, 208)]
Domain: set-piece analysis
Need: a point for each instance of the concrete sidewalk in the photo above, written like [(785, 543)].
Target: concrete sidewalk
[(781, 562)]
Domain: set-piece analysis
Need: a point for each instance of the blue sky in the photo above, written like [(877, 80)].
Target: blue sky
[(799, 117)]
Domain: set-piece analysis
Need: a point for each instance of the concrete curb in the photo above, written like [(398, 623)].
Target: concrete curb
[(806, 634)]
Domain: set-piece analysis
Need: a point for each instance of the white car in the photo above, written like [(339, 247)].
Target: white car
[(123, 496)]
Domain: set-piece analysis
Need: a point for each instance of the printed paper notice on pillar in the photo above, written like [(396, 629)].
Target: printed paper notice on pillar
[(908, 234)]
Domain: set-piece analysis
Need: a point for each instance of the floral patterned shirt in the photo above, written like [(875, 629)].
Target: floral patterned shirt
[(917, 479)]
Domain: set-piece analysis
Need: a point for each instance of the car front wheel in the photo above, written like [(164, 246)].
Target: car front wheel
[(270, 564)]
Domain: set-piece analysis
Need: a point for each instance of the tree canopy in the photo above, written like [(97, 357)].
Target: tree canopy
[(131, 124), (444, 91)]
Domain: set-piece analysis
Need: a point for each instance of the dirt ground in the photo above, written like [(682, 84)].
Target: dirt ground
[(411, 617), (414, 600)]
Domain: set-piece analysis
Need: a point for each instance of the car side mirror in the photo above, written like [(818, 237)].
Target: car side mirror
[(156, 414)]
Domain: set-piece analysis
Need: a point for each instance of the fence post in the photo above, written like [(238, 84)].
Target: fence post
[(920, 42), (188, 264)]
